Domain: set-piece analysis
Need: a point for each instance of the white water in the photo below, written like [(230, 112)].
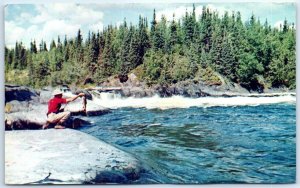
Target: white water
[(114, 101)]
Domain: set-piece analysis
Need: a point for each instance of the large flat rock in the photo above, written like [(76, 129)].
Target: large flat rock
[(26, 108), (32, 115), (65, 157)]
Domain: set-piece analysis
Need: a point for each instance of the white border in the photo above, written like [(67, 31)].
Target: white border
[(2, 3)]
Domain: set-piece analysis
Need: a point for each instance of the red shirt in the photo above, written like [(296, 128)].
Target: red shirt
[(55, 104)]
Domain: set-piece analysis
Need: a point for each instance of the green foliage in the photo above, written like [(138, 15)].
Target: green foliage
[(249, 70), (153, 64), (181, 69), (16, 76), (208, 76), (207, 49)]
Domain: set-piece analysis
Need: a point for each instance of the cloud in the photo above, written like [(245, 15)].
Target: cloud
[(97, 26), (75, 14), (51, 20), (47, 21), (178, 12), (278, 24), (12, 30), (220, 9), (49, 31)]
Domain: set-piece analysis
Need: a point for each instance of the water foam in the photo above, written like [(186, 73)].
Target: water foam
[(114, 101)]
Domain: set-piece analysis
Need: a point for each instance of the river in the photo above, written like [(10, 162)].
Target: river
[(204, 140)]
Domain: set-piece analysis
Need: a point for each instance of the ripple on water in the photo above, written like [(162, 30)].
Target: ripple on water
[(243, 144)]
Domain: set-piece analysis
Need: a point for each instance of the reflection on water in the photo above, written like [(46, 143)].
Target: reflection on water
[(206, 145)]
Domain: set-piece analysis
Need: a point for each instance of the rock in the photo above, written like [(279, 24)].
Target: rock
[(24, 112), (65, 157), (133, 87), (113, 81), (17, 106), (19, 93), (123, 78), (45, 95), (136, 92), (92, 109), (35, 120), (33, 115), (133, 80), (24, 120)]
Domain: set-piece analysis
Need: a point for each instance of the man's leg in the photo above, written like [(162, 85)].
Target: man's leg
[(59, 118), (45, 126), (63, 116)]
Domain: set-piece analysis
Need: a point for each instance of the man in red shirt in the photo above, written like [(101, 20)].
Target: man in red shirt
[(55, 114)]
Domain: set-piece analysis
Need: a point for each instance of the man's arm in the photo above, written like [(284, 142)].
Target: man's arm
[(75, 97)]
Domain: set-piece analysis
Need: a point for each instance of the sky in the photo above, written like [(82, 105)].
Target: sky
[(28, 22)]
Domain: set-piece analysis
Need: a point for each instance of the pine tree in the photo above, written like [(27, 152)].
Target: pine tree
[(135, 47), (125, 62), (174, 38), (78, 41), (65, 41), (159, 37), (45, 47), (52, 45), (16, 64), (59, 45), (206, 29), (228, 60), (22, 56), (153, 26), (285, 26)]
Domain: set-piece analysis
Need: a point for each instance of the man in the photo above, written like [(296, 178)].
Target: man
[(56, 115)]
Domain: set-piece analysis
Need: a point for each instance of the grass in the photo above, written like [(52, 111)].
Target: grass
[(19, 77)]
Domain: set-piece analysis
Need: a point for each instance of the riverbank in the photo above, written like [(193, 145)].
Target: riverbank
[(133, 87), (65, 157), (58, 156)]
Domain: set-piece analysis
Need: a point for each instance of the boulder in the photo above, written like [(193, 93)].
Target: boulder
[(138, 92), (17, 106), (65, 157), (45, 95), (29, 111), (35, 120), (92, 109), (20, 93), (33, 115)]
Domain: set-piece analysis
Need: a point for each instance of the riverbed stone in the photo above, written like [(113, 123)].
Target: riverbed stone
[(65, 157), (20, 93)]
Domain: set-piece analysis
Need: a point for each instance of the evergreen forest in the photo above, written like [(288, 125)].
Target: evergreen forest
[(204, 48)]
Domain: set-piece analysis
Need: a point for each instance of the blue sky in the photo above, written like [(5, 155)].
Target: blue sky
[(25, 22)]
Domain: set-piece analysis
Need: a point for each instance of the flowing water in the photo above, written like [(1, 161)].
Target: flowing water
[(204, 140)]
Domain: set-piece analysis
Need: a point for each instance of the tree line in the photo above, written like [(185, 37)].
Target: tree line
[(204, 49)]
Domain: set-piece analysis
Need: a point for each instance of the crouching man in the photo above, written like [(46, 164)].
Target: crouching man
[(55, 115)]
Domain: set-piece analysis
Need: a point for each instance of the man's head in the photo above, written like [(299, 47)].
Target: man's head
[(57, 93)]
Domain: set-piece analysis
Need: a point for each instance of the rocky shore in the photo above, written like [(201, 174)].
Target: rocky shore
[(65, 157), (189, 88), (26, 108), (58, 156)]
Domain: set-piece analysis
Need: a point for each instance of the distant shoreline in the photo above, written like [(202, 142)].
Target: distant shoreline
[(185, 90)]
